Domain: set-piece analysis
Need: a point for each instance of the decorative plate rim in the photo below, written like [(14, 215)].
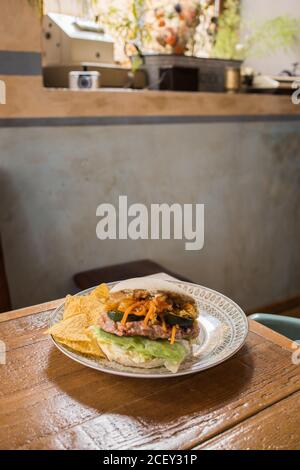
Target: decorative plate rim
[(128, 371)]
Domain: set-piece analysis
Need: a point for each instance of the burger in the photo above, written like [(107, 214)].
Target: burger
[(147, 323)]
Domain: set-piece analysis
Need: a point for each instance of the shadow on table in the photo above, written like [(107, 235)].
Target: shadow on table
[(211, 392)]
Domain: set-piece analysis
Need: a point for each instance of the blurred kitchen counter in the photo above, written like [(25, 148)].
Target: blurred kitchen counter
[(28, 98)]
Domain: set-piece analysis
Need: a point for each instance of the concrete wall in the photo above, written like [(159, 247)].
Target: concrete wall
[(247, 174)]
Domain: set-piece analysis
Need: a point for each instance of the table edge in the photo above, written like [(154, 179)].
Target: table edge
[(254, 326), (31, 310)]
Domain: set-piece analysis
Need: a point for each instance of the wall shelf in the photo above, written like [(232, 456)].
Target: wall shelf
[(27, 97)]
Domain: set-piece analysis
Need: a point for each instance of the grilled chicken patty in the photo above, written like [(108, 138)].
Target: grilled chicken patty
[(138, 328)]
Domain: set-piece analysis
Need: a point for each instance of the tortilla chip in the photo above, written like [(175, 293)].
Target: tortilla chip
[(94, 341), (90, 304), (71, 329), (72, 306), (80, 312), (94, 309), (101, 292), (83, 347)]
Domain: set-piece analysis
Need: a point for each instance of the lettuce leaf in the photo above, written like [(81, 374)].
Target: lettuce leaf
[(160, 348)]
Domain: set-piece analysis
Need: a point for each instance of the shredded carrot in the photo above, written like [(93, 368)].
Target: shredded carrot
[(141, 311), (127, 312), (188, 306), (125, 303), (164, 326), (150, 313), (111, 305), (173, 334)]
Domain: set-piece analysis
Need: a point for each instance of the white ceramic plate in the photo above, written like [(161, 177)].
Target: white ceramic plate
[(223, 331)]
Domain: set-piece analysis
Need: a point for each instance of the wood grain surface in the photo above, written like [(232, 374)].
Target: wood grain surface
[(26, 97), (272, 335), (25, 311), (276, 428), (49, 401)]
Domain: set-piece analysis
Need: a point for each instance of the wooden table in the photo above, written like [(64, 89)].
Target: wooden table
[(49, 401)]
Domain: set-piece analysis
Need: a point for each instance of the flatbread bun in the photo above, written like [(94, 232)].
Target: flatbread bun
[(129, 359), (152, 285)]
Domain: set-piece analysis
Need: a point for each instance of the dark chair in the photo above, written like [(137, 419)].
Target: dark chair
[(5, 303), (118, 272)]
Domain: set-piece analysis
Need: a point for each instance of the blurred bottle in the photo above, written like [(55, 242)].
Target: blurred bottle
[(232, 79)]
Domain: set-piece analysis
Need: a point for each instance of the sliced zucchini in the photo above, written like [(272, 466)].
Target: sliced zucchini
[(116, 315), (172, 319)]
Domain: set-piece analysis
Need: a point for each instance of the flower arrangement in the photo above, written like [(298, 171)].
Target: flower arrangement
[(237, 40), (175, 24)]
